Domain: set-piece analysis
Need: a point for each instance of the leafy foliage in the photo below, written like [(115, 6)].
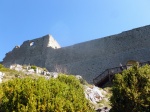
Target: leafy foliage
[(131, 90), (33, 67), (63, 94), (3, 69)]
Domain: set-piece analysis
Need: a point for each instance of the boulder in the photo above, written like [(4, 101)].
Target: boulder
[(94, 94), (1, 76)]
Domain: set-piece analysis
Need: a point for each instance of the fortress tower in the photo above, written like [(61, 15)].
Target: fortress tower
[(31, 52)]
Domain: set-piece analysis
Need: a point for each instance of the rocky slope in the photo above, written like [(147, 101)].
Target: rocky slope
[(98, 97)]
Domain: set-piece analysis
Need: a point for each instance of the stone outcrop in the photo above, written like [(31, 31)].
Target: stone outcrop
[(1, 76), (27, 69), (94, 94), (87, 59)]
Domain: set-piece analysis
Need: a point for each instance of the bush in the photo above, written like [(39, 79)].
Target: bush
[(33, 67), (131, 90), (2, 68), (63, 94)]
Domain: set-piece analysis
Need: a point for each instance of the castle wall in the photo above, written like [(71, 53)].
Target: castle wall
[(91, 58), (88, 59)]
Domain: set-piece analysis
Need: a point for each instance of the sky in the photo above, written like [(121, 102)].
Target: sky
[(68, 21)]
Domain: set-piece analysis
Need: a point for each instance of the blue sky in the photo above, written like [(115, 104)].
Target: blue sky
[(69, 21)]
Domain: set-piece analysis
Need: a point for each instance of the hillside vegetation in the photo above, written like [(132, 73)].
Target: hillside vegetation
[(62, 94), (11, 74), (131, 90), (66, 93)]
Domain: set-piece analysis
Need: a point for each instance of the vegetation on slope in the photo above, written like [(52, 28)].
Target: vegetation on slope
[(22, 87), (63, 94), (131, 90), (12, 74)]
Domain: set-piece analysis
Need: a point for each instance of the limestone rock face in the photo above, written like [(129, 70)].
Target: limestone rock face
[(94, 94), (98, 97), (16, 67), (1, 76), (88, 59)]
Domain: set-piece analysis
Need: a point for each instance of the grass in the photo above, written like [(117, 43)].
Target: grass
[(12, 74)]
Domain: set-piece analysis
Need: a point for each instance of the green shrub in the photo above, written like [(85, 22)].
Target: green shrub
[(2, 68), (33, 67), (63, 94), (131, 90)]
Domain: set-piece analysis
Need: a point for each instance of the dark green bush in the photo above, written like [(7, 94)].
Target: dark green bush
[(131, 90), (33, 67), (63, 94)]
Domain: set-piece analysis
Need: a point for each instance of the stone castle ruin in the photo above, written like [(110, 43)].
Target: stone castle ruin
[(87, 59)]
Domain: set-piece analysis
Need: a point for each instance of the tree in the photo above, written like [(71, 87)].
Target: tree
[(131, 90)]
